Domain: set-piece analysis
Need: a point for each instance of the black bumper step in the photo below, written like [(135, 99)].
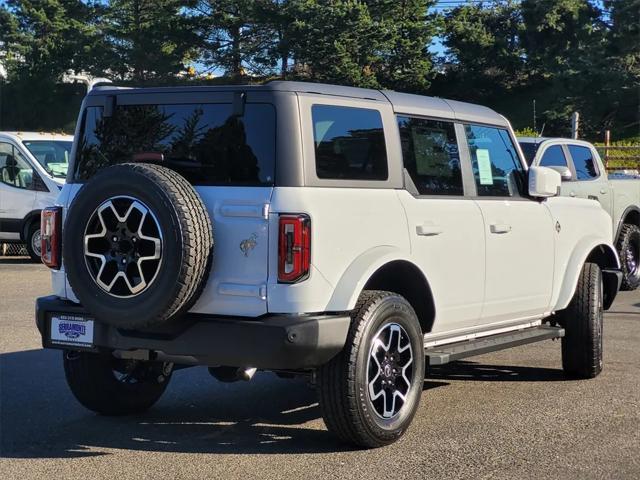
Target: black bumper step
[(441, 354)]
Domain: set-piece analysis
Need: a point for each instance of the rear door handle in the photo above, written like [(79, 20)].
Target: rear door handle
[(428, 230), (573, 194), (500, 228)]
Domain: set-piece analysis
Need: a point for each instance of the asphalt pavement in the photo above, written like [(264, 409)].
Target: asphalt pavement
[(504, 415)]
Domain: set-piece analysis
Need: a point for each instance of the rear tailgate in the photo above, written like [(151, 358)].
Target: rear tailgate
[(238, 281)]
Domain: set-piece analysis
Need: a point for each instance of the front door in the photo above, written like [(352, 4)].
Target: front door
[(17, 196), (519, 231)]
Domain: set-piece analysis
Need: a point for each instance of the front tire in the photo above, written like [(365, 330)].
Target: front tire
[(33, 242), (629, 251), (371, 390), (112, 386), (583, 322)]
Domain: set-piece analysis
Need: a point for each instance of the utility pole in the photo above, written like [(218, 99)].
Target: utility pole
[(575, 125)]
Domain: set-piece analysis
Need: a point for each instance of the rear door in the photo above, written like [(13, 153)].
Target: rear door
[(226, 149), (445, 226), (590, 181)]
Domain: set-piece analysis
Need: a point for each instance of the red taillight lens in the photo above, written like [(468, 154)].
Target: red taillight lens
[(50, 220), (294, 248)]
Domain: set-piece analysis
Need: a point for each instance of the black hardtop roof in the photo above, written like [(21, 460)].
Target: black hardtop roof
[(401, 102)]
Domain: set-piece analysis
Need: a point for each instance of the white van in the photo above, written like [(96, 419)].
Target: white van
[(33, 168)]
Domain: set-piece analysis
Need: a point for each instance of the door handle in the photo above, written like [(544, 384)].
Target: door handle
[(428, 230), (572, 194), (500, 228), (603, 192)]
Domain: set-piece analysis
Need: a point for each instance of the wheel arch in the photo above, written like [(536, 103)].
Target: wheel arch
[(29, 218), (589, 251), (630, 216), (386, 268)]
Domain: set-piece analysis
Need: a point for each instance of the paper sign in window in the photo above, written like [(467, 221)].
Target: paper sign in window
[(484, 166)]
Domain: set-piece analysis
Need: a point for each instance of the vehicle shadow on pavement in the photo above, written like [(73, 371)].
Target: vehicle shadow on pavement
[(41, 419), (465, 370)]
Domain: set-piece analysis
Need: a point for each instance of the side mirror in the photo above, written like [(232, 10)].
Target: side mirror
[(564, 172), (544, 182)]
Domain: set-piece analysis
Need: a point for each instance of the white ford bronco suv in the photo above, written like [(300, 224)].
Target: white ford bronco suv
[(585, 176), (354, 236)]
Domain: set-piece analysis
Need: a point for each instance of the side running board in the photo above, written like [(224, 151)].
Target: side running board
[(441, 354)]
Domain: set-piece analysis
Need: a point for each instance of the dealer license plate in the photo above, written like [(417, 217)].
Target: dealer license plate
[(71, 330)]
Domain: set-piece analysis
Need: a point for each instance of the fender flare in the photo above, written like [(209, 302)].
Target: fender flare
[(358, 273), (621, 222), (578, 257), (26, 221)]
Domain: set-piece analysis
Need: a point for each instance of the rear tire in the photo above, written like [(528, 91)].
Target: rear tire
[(629, 251), (111, 386), (33, 241), (357, 391), (583, 322)]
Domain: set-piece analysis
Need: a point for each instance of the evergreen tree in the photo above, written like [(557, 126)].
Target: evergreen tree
[(407, 30), (148, 40), (45, 38), (483, 49)]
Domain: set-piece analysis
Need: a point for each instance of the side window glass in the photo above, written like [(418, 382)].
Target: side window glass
[(496, 166), (14, 169), (553, 157), (430, 155), (349, 143), (583, 162)]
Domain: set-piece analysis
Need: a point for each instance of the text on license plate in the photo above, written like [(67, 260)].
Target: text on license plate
[(71, 330)]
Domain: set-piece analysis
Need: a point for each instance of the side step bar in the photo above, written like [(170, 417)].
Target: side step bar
[(441, 354)]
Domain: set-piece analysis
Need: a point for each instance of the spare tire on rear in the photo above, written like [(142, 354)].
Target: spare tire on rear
[(137, 245)]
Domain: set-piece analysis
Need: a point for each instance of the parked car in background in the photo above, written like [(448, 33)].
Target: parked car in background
[(33, 168), (584, 176)]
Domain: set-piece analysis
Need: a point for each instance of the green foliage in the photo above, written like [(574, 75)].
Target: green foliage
[(567, 55), (44, 38), (484, 51), (147, 40), (526, 132)]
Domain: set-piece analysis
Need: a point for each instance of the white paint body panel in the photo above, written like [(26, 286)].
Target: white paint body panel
[(616, 196)]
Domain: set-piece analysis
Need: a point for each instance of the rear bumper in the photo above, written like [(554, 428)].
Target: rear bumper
[(269, 342)]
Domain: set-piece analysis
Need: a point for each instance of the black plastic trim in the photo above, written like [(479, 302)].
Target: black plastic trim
[(612, 280), (267, 342)]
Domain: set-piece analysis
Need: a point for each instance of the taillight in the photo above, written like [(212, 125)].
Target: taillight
[(50, 220), (294, 248)]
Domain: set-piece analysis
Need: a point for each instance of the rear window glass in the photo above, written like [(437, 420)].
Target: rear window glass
[(204, 143), (583, 162), (349, 143), (430, 154)]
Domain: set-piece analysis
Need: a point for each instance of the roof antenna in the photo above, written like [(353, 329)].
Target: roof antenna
[(542, 131)]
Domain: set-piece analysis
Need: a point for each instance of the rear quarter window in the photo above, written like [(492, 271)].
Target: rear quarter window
[(349, 143), (583, 162), (205, 143)]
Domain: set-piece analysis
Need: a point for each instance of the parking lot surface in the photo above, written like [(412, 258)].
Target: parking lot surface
[(509, 414)]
